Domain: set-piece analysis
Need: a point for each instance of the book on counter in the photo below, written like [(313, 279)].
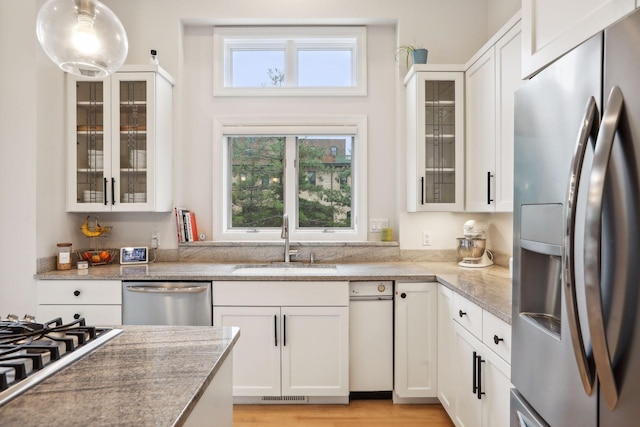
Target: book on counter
[(186, 226)]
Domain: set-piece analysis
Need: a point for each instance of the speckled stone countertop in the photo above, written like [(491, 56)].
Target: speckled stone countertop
[(147, 375), (489, 287)]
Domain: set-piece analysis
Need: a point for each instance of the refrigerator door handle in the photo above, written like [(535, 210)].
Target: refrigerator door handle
[(589, 128), (592, 249)]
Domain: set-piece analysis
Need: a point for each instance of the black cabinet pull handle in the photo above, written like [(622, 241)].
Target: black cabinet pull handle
[(497, 340), (76, 293), (422, 190), (284, 330), (489, 199), (104, 192), (462, 313), (479, 389), (475, 373), (113, 191), (275, 330), (76, 316), (403, 295)]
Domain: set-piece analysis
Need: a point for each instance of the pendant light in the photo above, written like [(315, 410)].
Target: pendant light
[(83, 37)]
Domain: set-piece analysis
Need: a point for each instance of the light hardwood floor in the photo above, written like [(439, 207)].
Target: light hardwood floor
[(369, 413)]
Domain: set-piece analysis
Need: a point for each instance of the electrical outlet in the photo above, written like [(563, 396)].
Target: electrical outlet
[(154, 241), (426, 238)]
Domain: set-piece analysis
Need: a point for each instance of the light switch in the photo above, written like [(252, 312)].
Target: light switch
[(376, 225)]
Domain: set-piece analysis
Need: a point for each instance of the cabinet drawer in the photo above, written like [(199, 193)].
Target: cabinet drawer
[(496, 334), (95, 315), (79, 292), (467, 314)]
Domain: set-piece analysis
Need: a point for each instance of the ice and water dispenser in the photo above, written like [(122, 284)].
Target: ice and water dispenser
[(541, 235)]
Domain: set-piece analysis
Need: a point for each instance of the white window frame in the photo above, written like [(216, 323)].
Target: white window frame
[(291, 39), (280, 125)]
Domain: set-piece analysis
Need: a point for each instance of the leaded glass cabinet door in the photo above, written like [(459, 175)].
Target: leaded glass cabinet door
[(142, 129), (133, 130), (120, 145), (89, 149), (435, 139)]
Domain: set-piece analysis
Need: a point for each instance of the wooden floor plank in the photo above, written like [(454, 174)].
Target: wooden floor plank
[(370, 413)]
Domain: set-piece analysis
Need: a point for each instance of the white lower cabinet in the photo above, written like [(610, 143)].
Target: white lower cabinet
[(483, 385), (289, 346), (478, 358), (99, 302), (416, 339)]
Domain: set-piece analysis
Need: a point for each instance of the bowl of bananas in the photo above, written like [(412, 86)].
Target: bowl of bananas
[(94, 229), (97, 257)]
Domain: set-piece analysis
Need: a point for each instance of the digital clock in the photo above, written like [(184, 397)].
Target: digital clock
[(134, 255)]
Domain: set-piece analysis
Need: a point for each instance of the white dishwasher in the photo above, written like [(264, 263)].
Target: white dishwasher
[(371, 336)]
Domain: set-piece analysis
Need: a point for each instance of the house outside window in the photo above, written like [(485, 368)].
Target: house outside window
[(288, 168)]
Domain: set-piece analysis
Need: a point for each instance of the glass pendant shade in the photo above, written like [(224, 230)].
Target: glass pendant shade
[(83, 37)]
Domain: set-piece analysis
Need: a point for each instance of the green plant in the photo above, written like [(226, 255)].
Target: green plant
[(407, 50)]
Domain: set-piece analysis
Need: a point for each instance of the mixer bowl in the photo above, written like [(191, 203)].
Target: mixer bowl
[(471, 247)]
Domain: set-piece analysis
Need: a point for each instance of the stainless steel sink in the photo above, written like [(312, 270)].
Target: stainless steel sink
[(289, 269)]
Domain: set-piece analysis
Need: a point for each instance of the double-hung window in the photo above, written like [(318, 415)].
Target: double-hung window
[(314, 171), (305, 61)]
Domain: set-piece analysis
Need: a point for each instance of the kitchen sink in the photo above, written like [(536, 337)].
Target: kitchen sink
[(289, 269)]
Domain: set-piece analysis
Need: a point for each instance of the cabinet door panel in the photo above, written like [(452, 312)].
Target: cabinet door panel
[(89, 136), (508, 79), (435, 140), (256, 356), (416, 336), (552, 28), (446, 364), (481, 134), (468, 406), (497, 386), (315, 351)]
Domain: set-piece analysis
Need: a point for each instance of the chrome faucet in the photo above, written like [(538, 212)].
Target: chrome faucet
[(285, 235)]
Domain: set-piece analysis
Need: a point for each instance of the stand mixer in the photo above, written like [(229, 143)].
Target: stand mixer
[(472, 247)]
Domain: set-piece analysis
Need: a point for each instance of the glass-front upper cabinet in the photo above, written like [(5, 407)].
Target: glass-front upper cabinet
[(120, 134), (435, 139)]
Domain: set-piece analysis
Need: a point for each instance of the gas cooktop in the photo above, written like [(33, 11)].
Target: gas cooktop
[(31, 352)]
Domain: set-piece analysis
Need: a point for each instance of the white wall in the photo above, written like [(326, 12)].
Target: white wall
[(18, 119), (499, 12), (32, 114)]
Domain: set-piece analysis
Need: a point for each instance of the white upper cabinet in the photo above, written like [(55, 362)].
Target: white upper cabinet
[(551, 28), (119, 131), (491, 81), (435, 138)]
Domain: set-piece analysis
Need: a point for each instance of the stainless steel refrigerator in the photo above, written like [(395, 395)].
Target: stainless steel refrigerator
[(576, 281)]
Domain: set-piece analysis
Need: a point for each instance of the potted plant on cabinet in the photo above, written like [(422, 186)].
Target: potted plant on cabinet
[(417, 53)]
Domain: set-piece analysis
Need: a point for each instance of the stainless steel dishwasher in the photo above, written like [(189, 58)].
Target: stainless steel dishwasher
[(167, 303), (371, 336)]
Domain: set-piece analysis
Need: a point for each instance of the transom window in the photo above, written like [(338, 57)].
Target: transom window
[(322, 61), (313, 173)]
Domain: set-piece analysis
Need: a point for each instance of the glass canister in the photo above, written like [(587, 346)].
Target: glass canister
[(63, 257)]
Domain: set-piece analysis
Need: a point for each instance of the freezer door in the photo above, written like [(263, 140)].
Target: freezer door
[(550, 110), (619, 274)]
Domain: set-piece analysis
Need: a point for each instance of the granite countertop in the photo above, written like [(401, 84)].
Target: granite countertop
[(148, 375), (489, 287)]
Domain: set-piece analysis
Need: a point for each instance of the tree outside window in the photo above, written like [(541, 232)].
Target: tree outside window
[(324, 181)]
